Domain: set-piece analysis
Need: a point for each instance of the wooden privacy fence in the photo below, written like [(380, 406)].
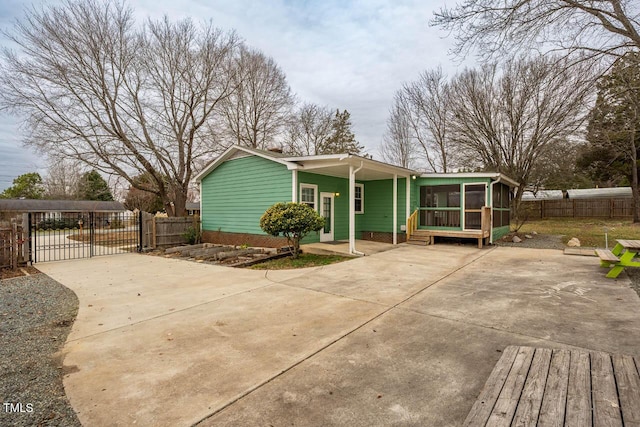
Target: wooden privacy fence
[(12, 243), (164, 232), (579, 208)]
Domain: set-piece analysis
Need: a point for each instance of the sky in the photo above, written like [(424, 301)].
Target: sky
[(344, 54)]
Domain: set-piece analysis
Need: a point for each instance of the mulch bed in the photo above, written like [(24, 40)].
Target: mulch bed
[(8, 273), (36, 315)]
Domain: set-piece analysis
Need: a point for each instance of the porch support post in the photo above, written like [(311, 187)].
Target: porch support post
[(294, 185), (352, 211), (395, 208), (408, 200)]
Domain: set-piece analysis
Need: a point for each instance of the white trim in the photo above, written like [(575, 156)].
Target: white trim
[(361, 185), (352, 214), (294, 186), (315, 194), (330, 237), (408, 196), (395, 209), (492, 175), (463, 202)]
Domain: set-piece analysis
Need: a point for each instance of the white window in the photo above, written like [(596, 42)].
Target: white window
[(309, 195), (358, 197)]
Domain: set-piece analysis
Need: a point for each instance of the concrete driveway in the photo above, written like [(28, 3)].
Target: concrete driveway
[(403, 337)]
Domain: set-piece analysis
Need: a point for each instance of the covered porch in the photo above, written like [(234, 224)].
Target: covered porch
[(357, 196)]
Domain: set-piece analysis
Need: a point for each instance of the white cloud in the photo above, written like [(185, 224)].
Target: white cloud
[(347, 55)]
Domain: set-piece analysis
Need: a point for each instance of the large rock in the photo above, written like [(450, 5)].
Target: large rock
[(574, 242), (516, 239)]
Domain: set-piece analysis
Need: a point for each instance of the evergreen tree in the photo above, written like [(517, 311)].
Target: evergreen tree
[(93, 187), (614, 127), (27, 186), (342, 139)]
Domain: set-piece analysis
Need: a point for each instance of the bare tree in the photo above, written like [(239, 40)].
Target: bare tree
[(309, 130), (123, 100), (419, 118), (61, 180), (398, 147), (591, 27), (504, 118), (428, 106), (256, 113)]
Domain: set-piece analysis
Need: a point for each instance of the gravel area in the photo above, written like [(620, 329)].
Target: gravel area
[(537, 241), (36, 314)]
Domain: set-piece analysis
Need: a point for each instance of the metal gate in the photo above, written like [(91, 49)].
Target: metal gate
[(56, 236)]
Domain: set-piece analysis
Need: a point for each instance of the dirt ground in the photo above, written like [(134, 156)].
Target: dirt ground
[(7, 273)]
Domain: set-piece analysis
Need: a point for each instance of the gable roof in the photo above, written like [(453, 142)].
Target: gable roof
[(229, 152), (328, 164)]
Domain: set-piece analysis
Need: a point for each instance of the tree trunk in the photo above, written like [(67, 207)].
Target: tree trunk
[(180, 203)]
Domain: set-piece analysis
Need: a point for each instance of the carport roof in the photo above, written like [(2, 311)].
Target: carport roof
[(31, 205)]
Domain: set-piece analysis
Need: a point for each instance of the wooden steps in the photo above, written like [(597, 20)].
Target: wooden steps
[(427, 237)]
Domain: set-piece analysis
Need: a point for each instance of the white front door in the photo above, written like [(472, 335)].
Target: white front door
[(326, 210)]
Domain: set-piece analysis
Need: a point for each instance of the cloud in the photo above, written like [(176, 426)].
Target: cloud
[(348, 55)]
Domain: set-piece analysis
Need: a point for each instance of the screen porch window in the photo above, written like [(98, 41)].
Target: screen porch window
[(440, 206), (501, 205), (308, 195), (358, 196)]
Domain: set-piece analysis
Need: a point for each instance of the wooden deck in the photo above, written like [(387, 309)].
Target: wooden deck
[(538, 386), (428, 236)]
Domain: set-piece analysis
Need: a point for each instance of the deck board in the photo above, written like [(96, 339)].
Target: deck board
[(531, 399), (579, 392), (555, 393), (543, 387)]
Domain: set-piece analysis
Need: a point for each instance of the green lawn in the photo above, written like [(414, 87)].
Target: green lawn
[(304, 260), (589, 231)]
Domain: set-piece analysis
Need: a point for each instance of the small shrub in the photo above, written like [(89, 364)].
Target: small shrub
[(293, 220), (192, 236), (116, 223)]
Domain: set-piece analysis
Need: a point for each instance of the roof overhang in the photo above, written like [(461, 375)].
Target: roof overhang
[(494, 176), (338, 165), (328, 164)]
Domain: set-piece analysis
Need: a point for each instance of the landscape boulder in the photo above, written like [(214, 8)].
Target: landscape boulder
[(574, 242)]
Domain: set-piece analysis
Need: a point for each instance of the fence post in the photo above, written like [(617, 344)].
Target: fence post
[(140, 231), (14, 244)]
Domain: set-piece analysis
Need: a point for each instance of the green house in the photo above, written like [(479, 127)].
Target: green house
[(360, 198)]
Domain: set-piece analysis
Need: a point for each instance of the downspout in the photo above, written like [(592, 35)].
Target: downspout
[(352, 210), (491, 206)]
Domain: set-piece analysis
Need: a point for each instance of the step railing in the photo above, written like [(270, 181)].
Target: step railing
[(412, 223)]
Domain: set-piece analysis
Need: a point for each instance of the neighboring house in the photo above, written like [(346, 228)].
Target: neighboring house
[(601, 193), (193, 208), (528, 196), (243, 182)]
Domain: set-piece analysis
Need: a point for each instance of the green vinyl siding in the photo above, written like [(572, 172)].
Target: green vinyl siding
[(330, 184), (378, 206), (498, 232), (236, 194)]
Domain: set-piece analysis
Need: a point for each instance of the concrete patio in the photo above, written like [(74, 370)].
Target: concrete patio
[(403, 337)]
